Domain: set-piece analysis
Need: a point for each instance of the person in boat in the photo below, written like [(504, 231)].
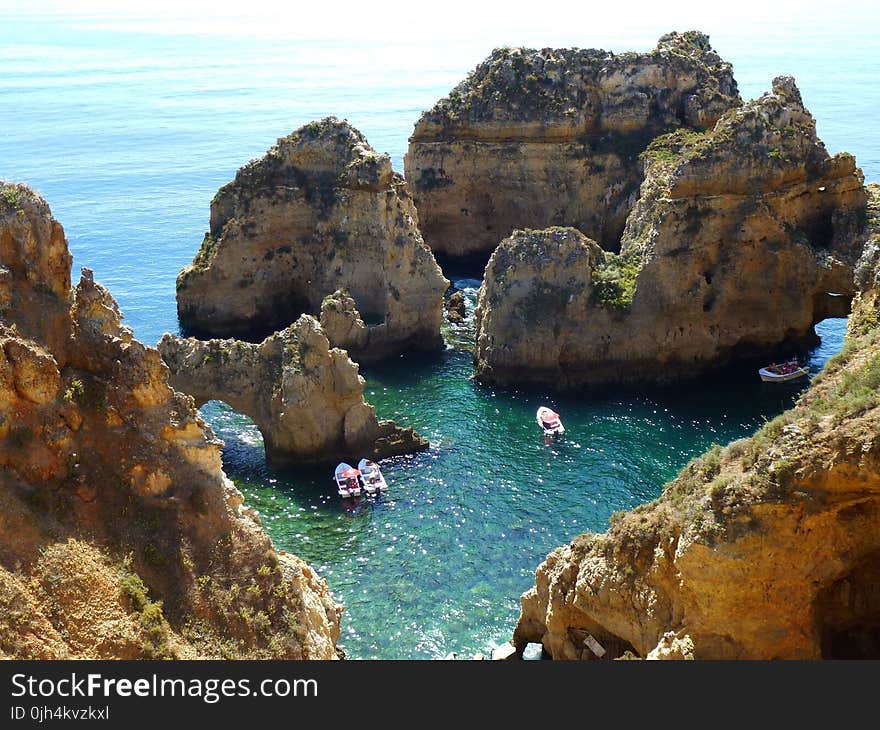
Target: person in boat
[(368, 475), (551, 424)]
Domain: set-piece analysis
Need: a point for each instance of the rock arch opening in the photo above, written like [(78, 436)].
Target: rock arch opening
[(241, 436), (831, 305), (848, 611)]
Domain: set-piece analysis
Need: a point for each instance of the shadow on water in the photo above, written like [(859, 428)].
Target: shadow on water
[(437, 565), (439, 562)]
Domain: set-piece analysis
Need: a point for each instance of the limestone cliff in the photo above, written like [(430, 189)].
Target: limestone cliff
[(738, 237), (551, 137), (768, 548), (321, 211), (306, 398), (866, 305), (120, 536)]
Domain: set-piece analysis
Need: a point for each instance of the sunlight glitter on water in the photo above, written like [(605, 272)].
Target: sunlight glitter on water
[(145, 127), (437, 564)]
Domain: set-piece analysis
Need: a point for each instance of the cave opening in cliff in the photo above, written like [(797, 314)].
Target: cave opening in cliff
[(279, 311), (848, 613), (273, 313), (820, 229), (831, 305)]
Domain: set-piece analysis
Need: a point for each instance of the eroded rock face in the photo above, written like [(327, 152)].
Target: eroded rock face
[(342, 323), (866, 307), (532, 281), (737, 238), (306, 398), (120, 536), (768, 548), (321, 211), (551, 137), (455, 307)]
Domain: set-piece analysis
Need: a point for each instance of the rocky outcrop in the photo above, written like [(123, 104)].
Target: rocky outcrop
[(306, 398), (551, 137), (342, 323), (120, 536), (455, 307), (866, 305), (738, 237), (768, 548), (321, 211)]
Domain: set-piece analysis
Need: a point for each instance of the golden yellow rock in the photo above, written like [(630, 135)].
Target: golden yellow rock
[(120, 536), (737, 240), (320, 212), (551, 137), (306, 398), (768, 548)]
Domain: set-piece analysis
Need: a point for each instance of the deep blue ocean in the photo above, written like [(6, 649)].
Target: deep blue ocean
[(128, 127)]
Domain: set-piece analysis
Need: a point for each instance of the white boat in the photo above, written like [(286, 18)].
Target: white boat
[(346, 478), (789, 370), (549, 421), (371, 477)]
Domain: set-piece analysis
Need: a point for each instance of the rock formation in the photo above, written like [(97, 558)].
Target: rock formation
[(737, 238), (455, 307), (321, 211), (551, 137), (768, 548), (306, 398), (120, 536), (342, 323), (866, 305)]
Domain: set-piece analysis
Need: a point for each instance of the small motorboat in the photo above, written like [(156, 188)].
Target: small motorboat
[(779, 373), (346, 478), (549, 421), (371, 477)]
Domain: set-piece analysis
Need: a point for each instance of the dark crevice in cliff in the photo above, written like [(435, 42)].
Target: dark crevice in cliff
[(848, 612), (277, 313)]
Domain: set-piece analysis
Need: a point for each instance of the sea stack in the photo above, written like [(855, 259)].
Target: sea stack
[(121, 537), (764, 549), (551, 137), (320, 212), (739, 238), (306, 398)]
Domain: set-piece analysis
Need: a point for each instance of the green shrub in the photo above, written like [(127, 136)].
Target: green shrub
[(76, 391), (710, 464), (614, 284), (673, 147), (858, 390), (149, 616)]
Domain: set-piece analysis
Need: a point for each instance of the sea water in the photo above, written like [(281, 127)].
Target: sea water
[(128, 126)]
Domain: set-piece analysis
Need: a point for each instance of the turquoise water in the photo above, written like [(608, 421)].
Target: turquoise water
[(128, 129)]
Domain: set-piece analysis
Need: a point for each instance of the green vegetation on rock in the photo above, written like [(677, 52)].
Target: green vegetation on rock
[(675, 147), (13, 196), (614, 283), (150, 616)]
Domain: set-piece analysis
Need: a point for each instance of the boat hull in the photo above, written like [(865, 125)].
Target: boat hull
[(342, 475), (770, 377), (374, 482), (556, 428)]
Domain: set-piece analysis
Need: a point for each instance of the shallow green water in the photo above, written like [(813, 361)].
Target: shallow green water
[(438, 564), (129, 126)]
